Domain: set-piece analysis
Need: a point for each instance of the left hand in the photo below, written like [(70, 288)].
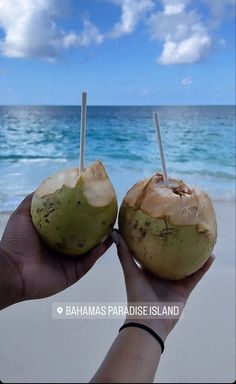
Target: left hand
[(31, 270)]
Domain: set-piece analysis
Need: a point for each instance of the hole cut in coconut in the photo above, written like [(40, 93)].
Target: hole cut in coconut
[(178, 187), (181, 190)]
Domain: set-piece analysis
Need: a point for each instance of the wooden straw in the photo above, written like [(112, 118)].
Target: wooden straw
[(157, 125), (83, 130)]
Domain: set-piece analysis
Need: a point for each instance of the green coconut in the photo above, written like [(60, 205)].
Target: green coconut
[(74, 212), (171, 231)]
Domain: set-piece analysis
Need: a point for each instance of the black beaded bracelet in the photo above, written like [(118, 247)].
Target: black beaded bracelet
[(149, 330)]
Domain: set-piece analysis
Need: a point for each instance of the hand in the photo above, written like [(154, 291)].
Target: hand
[(29, 269), (143, 287)]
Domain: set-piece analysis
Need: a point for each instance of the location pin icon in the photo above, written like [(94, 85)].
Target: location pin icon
[(59, 310)]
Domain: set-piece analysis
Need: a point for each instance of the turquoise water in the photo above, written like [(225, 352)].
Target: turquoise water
[(199, 144)]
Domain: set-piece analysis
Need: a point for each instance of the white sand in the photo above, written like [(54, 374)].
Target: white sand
[(36, 348)]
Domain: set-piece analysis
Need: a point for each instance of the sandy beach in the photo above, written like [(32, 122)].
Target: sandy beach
[(36, 348)]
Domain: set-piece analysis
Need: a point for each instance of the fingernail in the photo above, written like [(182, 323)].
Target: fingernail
[(115, 237)]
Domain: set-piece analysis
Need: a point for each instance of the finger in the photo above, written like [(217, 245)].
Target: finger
[(85, 262), (126, 258), (194, 279), (25, 205)]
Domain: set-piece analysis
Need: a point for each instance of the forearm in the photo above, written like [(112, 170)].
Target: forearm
[(133, 358), (10, 281)]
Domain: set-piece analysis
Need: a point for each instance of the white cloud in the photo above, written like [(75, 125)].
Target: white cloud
[(146, 92), (222, 42), (187, 51), (132, 11), (187, 81), (30, 29), (89, 35), (220, 8), (185, 38), (27, 26), (172, 7)]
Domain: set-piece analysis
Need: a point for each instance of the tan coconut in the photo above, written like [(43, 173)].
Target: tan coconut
[(171, 230)]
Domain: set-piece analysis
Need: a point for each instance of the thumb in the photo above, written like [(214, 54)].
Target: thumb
[(126, 258), (193, 280), (24, 206), (85, 262)]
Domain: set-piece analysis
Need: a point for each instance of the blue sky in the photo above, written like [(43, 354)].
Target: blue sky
[(123, 52)]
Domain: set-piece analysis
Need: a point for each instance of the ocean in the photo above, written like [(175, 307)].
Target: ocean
[(37, 141)]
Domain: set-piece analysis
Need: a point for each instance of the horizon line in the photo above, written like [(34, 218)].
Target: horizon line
[(118, 105)]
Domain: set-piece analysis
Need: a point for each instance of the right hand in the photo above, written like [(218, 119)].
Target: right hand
[(143, 287)]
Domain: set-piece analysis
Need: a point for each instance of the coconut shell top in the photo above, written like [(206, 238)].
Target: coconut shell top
[(170, 230), (179, 204), (96, 186)]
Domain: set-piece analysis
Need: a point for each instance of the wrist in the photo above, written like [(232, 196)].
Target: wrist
[(157, 325), (146, 329), (11, 283)]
